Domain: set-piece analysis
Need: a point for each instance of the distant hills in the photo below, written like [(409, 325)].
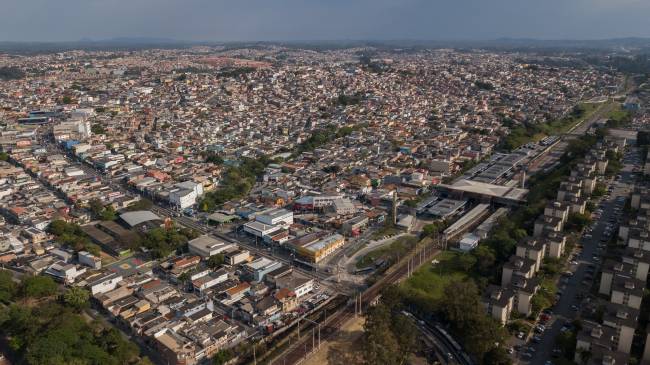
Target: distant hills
[(631, 44)]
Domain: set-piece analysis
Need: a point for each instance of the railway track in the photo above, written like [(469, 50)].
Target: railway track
[(301, 350)]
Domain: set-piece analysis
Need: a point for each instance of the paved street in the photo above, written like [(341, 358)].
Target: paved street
[(584, 265)]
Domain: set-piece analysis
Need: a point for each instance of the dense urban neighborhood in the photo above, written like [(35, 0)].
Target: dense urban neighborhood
[(278, 204)]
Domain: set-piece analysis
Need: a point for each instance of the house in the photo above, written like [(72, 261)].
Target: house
[(296, 283), (235, 256), (256, 269), (66, 273), (92, 261), (104, 283), (287, 299)]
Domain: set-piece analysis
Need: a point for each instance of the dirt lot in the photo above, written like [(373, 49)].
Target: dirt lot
[(346, 349)]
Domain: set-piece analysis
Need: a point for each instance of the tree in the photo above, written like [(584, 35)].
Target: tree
[(4, 156), (144, 361), (485, 260), (379, 343), (215, 261), (461, 307), (76, 297), (406, 335), (142, 204), (577, 221), (66, 100), (214, 159), (222, 357), (97, 128), (7, 287), (108, 213), (38, 287), (96, 206), (497, 356), (566, 341), (466, 261), (585, 355)]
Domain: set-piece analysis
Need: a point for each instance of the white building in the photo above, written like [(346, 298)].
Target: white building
[(276, 217), (206, 246), (468, 242), (105, 283), (86, 258), (259, 229), (66, 273), (182, 198)]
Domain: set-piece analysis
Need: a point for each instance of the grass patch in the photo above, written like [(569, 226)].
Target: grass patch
[(385, 230), (390, 253), (430, 280)]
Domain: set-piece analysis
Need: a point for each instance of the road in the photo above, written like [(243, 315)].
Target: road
[(585, 265)]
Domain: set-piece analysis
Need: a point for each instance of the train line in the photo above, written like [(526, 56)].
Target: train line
[(330, 326)]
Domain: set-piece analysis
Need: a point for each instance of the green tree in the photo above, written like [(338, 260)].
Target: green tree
[(585, 356), (577, 221), (76, 297), (215, 261), (379, 343), (497, 356), (4, 156), (96, 206), (142, 204), (466, 261), (222, 357), (485, 260), (97, 128), (7, 287), (38, 287), (462, 308), (108, 213)]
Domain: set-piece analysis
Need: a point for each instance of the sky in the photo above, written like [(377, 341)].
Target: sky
[(277, 20)]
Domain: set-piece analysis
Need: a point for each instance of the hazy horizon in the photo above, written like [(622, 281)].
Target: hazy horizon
[(291, 20)]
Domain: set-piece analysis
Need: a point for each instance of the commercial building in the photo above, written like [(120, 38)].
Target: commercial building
[(206, 246)]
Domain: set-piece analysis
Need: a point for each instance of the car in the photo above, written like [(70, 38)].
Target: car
[(521, 335), (574, 308), (450, 357), (536, 339), (510, 350), (527, 355)]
